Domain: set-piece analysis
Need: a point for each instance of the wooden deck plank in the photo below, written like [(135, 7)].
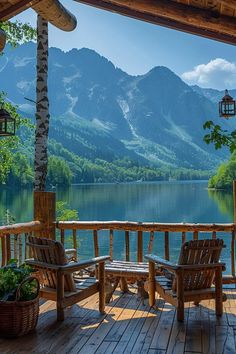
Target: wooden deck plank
[(100, 333), (129, 337), (106, 348), (178, 334), (130, 327), (225, 340), (194, 336), (162, 332)]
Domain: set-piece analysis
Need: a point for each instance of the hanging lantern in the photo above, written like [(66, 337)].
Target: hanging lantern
[(227, 106), (7, 123)]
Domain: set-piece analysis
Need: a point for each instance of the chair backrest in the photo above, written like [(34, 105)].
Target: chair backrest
[(200, 252), (51, 252)]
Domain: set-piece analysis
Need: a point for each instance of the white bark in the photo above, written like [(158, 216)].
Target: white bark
[(42, 107)]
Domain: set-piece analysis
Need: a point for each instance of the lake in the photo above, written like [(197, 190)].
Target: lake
[(155, 202)]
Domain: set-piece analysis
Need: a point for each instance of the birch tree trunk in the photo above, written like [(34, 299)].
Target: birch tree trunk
[(42, 107)]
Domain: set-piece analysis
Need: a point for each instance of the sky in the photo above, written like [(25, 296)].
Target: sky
[(136, 46)]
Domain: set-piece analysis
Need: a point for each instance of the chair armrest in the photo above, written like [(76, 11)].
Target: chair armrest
[(162, 262), (195, 267), (68, 268), (42, 265)]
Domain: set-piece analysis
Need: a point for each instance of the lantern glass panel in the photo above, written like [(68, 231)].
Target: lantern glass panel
[(227, 106), (7, 124)]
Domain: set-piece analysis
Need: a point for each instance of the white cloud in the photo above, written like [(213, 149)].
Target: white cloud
[(218, 73)]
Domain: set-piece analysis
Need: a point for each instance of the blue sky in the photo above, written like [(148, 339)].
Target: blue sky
[(136, 46)]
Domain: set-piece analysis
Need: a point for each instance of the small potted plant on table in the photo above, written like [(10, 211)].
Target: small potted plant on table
[(19, 300)]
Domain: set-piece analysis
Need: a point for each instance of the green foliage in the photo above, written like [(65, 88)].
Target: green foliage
[(11, 277), (8, 145), (225, 175), (219, 137), (64, 213), (59, 172), (119, 170), (21, 172), (18, 32), (8, 218)]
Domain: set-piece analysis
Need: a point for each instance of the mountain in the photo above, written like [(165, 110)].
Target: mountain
[(212, 94), (99, 111)]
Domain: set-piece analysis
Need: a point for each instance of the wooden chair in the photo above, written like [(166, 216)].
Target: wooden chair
[(58, 283), (192, 278)]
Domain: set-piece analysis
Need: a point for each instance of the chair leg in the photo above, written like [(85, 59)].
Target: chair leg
[(219, 293), (60, 296), (60, 314), (151, 284), (180, 296), (123, 285), (102, 294), (180, 313)]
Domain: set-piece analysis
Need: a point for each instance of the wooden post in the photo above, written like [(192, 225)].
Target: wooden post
[(111, 244), (195, 235), (180, 295), (4, 256), (45, 211), (75, 243), (218, 290), (60, 295), (127, 257), (101, 278), (233, 233), (95, 242), (167, 250), (140, 246), (234, 198), (151, 284)]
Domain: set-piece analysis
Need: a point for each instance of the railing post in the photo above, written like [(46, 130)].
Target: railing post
[(140, 247), (233, 233), (45, 211)]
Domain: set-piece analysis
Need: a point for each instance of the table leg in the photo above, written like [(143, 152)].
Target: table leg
[(124, 285)]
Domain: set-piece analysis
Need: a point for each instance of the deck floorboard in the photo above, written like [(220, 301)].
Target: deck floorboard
[(130, 326)]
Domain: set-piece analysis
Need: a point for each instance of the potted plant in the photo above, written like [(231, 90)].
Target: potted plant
[(19, 300)]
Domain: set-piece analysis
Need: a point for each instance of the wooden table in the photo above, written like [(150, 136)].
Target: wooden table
[(124, 273)]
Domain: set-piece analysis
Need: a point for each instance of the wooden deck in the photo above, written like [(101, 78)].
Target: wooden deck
[(130, 326)]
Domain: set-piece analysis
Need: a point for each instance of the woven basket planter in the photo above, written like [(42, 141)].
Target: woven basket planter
[(19, 317)]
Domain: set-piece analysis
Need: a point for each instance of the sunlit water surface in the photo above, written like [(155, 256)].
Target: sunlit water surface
[(155, 202)]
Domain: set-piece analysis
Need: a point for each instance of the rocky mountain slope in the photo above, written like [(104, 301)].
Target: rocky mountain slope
[(99, 111)]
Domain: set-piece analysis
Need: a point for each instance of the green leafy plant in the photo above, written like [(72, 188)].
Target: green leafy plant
[(11, 276), (219, 137), (64, 213)]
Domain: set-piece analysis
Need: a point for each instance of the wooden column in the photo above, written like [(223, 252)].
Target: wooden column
[(234, 197), (45, 211), (151, 283), (233, 233)]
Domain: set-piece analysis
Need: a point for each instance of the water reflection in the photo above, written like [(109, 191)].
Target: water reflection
[(157, 202), (224, 201)]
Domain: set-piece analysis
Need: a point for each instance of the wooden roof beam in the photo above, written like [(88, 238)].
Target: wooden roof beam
[(174, 15), (51, 10), (14, 9)]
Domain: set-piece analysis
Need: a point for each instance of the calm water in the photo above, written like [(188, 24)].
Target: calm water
[(158, 202)]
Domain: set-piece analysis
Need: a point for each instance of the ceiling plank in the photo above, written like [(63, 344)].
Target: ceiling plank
[(231, 3), (14, 9), (202, 22)]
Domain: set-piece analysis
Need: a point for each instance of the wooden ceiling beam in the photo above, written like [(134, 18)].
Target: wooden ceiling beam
[(14, 9), (229, 3), (167, 13)]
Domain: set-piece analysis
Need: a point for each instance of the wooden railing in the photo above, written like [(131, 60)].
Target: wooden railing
[(13, 240), (169, 230), (13, 237)]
